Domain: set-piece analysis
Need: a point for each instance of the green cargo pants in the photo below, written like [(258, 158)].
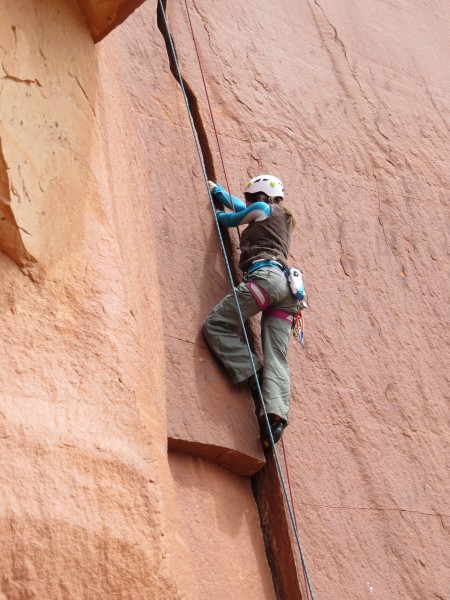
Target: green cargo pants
[(265, 289)]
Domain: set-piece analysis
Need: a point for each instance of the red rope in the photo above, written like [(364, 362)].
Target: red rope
[(211, 111), (290, 503), (293, 509), (232, 204)]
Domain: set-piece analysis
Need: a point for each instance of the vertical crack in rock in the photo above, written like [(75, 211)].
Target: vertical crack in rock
[(83, 91), (343, 255), (14, 30), (11, 242), (266, 485), (192, 99), (200, 130), (276, 529), (380, 219), (24, 187)]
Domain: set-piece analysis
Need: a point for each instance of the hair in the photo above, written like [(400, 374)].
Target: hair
[(256, 197), (289, 213), (262, 197)]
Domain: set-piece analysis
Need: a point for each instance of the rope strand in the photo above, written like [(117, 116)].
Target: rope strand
[(242, 322), (293, 507), (211, 112)]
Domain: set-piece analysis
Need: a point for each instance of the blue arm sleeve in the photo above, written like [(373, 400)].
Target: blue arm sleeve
[(259, 211), (223, 197)]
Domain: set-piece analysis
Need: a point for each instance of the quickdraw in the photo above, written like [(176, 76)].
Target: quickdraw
[(298, 328)]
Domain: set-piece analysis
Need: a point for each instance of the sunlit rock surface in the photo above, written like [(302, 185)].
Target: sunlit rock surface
[(110, 261)]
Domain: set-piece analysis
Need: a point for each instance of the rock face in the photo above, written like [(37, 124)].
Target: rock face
[(110, 261), (102, 16)]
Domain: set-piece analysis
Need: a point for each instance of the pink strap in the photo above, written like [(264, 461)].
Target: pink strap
[(258, 294), (277, 313)]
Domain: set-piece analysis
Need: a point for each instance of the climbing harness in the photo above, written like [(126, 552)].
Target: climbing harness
[(289, 502)]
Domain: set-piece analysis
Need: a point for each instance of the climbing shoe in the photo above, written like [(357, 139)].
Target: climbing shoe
[(277, 426)]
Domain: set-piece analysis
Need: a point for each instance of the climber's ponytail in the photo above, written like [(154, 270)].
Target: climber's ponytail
[(278, 200)]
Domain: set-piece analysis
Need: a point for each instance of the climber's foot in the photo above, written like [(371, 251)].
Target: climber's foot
[(277, 426)]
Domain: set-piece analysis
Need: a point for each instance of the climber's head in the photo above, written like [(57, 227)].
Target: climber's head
[(266, 188)]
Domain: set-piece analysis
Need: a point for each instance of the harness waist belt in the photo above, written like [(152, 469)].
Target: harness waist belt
[(261, 262)]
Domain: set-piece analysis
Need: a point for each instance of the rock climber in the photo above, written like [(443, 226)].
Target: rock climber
[(264, 245)]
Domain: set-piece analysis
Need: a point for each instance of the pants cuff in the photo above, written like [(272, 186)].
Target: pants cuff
[(246, 375)]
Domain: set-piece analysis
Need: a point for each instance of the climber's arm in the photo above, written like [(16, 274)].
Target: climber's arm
[(222, 196), (258, 211)]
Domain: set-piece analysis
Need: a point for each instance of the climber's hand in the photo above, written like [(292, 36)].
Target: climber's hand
[(212, 185)]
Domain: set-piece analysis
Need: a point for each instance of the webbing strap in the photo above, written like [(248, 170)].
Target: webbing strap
[(279, 313), (260, 296)]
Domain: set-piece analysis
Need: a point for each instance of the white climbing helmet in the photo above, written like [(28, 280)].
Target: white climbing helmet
[(268, 184)]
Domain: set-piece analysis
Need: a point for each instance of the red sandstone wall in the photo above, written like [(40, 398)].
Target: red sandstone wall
[(81, 384), (90, 505), (348, 104), (102, 357)]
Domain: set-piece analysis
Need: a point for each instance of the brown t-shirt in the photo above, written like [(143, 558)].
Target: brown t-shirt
[(268, 239)]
